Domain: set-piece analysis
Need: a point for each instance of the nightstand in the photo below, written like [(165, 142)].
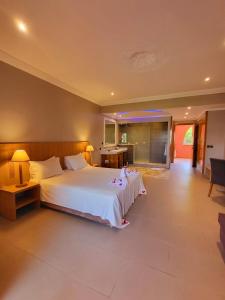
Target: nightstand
[(13, 198)]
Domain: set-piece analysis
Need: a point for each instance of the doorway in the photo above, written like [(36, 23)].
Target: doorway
[(185, 141)]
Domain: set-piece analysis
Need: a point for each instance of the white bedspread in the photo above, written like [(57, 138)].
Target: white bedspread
[(88, 190)]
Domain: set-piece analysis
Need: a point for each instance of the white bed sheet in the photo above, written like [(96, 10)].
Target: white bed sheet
[(88, 190)]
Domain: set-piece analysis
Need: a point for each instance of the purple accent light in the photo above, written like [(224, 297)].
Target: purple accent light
[(145, 117), (152, 110)]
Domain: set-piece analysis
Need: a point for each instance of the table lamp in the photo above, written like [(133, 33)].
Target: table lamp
[(90, 149), (20, 156)]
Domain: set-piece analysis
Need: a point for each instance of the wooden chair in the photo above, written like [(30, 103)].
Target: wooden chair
[(217, 173)]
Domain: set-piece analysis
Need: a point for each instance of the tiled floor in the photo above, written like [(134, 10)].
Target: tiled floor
[(168, 252)]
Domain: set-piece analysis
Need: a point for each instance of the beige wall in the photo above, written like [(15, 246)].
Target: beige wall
[(215, 135), (34, 110)]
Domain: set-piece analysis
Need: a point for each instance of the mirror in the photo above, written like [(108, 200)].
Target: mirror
[(109, 132)]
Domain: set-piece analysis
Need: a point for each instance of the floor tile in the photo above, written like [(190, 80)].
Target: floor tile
[(170, 250)]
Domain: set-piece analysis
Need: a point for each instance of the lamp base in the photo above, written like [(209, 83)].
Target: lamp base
[(21, 184)]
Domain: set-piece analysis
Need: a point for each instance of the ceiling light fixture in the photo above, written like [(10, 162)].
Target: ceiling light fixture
[(186, 113), (185, 117), (112, 93), (21, 26), (189, 107), (207, 79)]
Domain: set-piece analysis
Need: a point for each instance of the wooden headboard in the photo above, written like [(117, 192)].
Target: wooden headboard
[(36, 151)]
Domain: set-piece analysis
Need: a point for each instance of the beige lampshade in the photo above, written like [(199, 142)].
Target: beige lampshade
[(89, 148), (20, 156)]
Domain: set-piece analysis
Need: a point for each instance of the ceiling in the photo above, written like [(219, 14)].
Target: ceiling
[(138, 49), (183, 114)]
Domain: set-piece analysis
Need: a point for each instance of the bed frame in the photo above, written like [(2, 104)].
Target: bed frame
[(76, 213), (36, 151), (43, 150)]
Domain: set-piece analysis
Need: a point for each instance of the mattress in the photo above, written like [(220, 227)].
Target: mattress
[(90, 190)]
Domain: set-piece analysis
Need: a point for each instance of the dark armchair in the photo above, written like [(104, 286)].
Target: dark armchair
[(217, 173), (222, 229)]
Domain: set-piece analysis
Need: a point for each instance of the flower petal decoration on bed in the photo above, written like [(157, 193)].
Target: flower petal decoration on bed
[(87, 190)]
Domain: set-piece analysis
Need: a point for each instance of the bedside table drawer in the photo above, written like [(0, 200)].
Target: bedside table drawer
[(27, 197)]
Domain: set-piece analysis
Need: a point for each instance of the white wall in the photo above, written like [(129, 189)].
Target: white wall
[(215, 135)]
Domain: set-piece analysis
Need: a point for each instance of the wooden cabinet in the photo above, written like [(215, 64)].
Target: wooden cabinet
[(13, 198), (130, 152), (114, 160)]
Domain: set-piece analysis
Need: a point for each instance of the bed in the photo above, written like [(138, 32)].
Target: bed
[(89, 192)]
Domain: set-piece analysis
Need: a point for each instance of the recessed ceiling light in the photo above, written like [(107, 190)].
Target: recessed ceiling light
[(21, 26), (187, 113), (185, 117), (189, 107), (207, 79), (112, 93)]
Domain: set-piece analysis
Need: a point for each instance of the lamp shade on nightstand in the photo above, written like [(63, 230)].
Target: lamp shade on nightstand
[(20, 156), (89, 148)]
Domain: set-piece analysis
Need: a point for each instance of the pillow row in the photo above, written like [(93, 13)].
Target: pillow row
[(51, 167)]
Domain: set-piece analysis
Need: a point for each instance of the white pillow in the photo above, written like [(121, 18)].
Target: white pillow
[(75, 162), (45, 169), (67, 163)]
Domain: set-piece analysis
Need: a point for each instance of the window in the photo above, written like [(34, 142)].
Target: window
[(188, 137)]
